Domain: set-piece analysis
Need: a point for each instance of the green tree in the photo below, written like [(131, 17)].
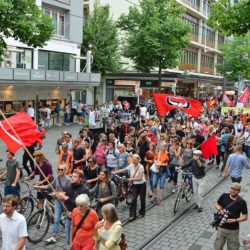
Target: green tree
[(155, 34), (230, 18), (101, 32), (236, 55), (23, 20)]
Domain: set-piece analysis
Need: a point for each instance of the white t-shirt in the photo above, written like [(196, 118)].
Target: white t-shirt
[(31, 112), (48, 112), (143, 111), (12, 229), (131, 170)]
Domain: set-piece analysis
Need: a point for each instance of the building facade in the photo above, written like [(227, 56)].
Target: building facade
[(51, 73), (196, 74)]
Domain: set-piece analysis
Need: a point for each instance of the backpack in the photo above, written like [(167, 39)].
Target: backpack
[(113, 153)]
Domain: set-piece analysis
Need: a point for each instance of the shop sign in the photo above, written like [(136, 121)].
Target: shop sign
[(167, 84), (52, 75), (37, 75), (125, 83), (149, 83), (110, 82), (21, 74), (70, 77)]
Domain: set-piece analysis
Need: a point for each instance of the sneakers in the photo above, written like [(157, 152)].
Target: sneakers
[(51, 240), (158, 201), (173, 190)]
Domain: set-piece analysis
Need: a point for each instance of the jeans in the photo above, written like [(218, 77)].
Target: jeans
[(230, 236), (11, 190), (47, 123), (236, 179), (162, 177), (58, 214), (198, 190), (247, 151), (67, 230), (138, 189)]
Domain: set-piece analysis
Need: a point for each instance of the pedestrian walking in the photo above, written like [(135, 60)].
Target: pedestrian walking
[(235, 209), (13, 226)]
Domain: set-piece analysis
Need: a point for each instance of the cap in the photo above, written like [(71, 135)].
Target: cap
[(64, 145), (38, 153), (197, 152), (236, 185)]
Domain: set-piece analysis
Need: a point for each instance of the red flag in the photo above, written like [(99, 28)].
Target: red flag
[(211, 103), (209, 147), (244, 97), (227, 101), (25, 128), (165, 103)]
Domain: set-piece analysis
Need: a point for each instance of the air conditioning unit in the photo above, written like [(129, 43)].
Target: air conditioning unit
[(21, 66)]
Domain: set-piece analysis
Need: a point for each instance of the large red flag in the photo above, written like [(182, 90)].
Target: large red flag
[(227, 101), (25, 128), (244, 97), (209, 147), (165, 103), (211, 103)]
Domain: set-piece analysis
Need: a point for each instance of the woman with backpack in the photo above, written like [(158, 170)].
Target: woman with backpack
[(104, 192), (112, 156)]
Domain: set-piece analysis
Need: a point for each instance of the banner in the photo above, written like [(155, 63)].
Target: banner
[(235, 110), (244, 97)]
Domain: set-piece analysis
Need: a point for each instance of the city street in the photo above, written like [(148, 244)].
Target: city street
[(160, 228)]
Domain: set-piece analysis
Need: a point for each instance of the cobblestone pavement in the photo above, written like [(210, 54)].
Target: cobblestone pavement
[(192, 231), (194, 234)]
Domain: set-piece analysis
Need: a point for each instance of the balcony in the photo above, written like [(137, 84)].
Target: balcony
[(192, 5), (193, 37), (189, 67), (48, 77), (207, 70)]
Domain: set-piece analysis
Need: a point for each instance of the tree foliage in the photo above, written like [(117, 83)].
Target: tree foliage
[(230, 18), (236, 55), (154, 34), (101, 32), (23, 20)]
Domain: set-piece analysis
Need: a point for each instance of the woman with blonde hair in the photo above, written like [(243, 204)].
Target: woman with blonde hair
[(136, 173), (108, 231)]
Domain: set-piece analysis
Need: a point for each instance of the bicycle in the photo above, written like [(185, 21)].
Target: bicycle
[(185, 190), (124, 189), (39, 223)]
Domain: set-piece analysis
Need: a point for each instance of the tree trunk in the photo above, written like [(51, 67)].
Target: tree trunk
[(159, 76)]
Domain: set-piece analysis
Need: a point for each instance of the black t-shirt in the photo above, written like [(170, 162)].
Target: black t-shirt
[(181, 133), (238, 208), (92, 174), (78, 154)]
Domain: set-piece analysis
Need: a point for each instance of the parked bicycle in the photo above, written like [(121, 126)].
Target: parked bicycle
[(185, 190), (39, 223), (124, 189)]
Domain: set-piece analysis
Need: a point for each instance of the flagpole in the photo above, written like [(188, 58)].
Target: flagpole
[(30, 155)]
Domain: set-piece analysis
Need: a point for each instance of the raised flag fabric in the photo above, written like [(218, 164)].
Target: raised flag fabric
[(211, 103), (25, 128), (165, 103), (209, 147), (244, 97), (227, 101)]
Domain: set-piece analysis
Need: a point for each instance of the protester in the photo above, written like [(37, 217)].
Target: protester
[(83, 224), (12, 174), (13, 225)]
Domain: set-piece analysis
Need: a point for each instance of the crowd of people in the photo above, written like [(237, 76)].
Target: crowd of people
[(149, 153)]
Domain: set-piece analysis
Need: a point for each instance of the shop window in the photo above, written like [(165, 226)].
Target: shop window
[(43, 60), (56, 61)]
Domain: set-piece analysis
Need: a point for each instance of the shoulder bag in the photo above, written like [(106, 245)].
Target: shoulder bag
[(80, 223)]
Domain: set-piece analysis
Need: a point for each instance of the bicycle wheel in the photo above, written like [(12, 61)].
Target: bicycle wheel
[(189, 194), (177, 200), (26, 207), (63, 219), (38, 226)]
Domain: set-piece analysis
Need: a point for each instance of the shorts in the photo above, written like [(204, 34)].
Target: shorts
[(11, 190)]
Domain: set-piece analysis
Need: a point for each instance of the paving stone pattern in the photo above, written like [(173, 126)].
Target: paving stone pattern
[(192, 231)]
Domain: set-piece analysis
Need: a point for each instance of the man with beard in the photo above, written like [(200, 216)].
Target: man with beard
[(237, 208), (78, 186)]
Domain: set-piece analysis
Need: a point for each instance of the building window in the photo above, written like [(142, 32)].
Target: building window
[(193, 22), (190, 56), (193, 3), (221, 40), (58, 18), (219, 60), (56, 61), (207, 60), (207, 33), (206, 7)]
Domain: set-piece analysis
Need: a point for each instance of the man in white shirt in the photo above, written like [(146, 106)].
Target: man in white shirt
[(143, 111), (47, 117), (31, 111), (13, 225)]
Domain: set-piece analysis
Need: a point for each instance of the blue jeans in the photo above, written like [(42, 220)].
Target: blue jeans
[(11, 190), (162, 177), (58, 214), (247, 151), (67, 230)]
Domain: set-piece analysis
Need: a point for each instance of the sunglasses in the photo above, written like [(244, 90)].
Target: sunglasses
[(89, 161), (60, 169)]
